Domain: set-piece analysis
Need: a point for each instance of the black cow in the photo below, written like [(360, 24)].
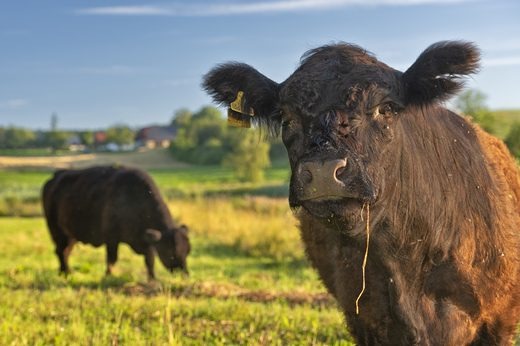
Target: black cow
[(394, 191), (111, 205)]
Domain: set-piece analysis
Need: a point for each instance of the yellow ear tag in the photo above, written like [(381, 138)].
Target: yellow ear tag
[(239, 105), (237, 114)]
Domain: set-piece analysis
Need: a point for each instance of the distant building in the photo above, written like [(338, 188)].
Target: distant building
[(74, 143), (100, 138), (155, 136)]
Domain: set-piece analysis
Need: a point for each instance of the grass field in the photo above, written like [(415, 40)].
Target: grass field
[(249, 281), (244, 287), (31, 152)]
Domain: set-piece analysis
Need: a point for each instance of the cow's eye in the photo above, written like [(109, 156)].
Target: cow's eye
[(386, 110)]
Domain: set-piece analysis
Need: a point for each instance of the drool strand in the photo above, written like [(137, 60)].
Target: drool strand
[(366, 255)]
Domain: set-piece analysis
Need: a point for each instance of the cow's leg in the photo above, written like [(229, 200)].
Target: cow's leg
[(111, 256), (64, 247), (149, 261)]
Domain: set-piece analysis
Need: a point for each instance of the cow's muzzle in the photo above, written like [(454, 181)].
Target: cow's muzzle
[(334, 179)]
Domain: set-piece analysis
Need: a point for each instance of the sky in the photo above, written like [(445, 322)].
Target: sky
[(99, 63)]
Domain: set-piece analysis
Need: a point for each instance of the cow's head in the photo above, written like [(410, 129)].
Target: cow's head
[(339, 114), (172, 245)]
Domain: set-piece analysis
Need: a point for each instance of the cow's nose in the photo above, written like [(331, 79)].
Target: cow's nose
[(319, 179)]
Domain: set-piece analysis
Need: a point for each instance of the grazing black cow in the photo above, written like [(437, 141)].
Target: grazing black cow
[(111, 205), (394, 192)]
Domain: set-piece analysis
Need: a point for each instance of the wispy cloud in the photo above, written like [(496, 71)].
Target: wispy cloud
[(126, 10), (227, 9), (13, 103)]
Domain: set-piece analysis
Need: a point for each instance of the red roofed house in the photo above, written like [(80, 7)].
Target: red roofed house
[(155, 136)]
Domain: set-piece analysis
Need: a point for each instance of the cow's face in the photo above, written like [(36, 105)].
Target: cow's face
[(173, 247), (336, 145), (339, 115)]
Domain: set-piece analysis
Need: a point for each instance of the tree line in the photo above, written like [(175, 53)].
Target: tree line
[(204, 138), (13, 137), (473, 103)]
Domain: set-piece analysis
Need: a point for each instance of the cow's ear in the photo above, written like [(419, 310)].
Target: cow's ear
[(152, 236), (183, 229), (438, 73), (248, 94)]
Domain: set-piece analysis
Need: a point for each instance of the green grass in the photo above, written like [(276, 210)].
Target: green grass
[(249, 281), (20, 192), (33, 152), (231, 296), (503, 120)]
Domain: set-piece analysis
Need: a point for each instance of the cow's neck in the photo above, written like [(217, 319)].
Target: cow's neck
[(434, 190)]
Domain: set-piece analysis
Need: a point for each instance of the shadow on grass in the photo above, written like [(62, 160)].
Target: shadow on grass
[(47, 280), (233, 252)]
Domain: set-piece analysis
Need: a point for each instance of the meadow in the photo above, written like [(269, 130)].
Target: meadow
[(249, 282)]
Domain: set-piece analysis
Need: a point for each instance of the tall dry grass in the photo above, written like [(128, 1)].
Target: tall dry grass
[(257, 226)]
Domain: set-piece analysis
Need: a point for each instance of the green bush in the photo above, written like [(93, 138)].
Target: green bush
[(513, 139), (200, 137), (204, 138), (248, 156), (473, 103)]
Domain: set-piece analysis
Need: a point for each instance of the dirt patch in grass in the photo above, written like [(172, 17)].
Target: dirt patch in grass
[(148, 159), (227, 291)]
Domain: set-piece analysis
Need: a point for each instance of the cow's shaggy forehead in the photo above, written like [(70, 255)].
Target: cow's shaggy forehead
[(334, 75)]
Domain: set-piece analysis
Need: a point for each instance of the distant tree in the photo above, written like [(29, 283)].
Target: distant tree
[(120, 135), (54, 138), (473, 103), (208, 113), (57, 139), (513, 139), (16, 138), (205, 138), (209, 125), (54, 121), (87, 138), (181, 118), (201, 137), (249, 155)]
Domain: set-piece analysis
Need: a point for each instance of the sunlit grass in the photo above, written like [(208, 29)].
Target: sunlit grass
[(248, 284), (256, 226)]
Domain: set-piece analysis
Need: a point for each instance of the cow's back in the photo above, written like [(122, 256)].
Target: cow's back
[(502, 164), (74, 200), (507, 176), (105, 204), (135, 205)]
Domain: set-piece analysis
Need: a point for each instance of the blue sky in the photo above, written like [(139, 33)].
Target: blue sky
[(98, 63)]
